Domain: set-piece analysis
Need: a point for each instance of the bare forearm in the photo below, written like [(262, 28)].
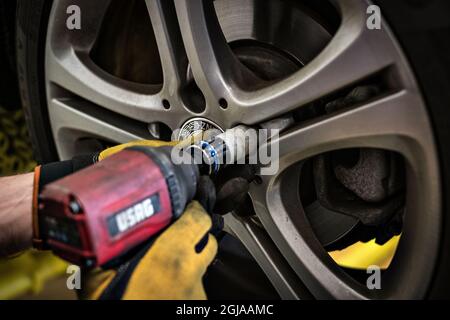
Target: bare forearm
[(16, 194)]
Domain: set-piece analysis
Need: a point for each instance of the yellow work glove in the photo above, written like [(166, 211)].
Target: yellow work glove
[(171, 268)]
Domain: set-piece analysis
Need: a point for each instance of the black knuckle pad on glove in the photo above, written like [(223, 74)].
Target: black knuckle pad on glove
[(206, 193)]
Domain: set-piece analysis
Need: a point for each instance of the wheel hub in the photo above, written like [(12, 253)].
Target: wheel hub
[(198, 125)]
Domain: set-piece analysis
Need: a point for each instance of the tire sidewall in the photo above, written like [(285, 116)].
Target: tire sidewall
[(31, 31)]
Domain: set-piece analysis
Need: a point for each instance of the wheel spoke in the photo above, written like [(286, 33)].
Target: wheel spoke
[(392, 122), (78, 75), (261, 247), (69, 125), (214, 66), (91, 18), (352, 55), (290, 230), (170, 44), (396, 122), (68, 65)]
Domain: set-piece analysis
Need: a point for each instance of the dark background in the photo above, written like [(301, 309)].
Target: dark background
[(9, 90)]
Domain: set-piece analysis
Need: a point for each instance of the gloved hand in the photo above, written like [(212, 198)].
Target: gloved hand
[(178, 258), (48, 173), (171, 267)]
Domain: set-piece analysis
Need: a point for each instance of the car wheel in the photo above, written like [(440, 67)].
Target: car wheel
[(361, 161)]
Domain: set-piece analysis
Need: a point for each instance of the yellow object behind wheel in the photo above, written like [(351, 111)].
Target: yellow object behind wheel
[(362, 255)]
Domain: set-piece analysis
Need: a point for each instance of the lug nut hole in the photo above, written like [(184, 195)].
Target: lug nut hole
[(223, 103), (166, 104), (258, 180)]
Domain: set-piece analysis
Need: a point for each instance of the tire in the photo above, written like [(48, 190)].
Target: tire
[(421, 27), (31, 30), (9, 93)]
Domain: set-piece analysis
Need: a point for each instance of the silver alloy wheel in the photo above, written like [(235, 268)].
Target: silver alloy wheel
[(285, 248)]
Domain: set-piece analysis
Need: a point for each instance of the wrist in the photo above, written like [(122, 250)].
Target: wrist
[(15, 215)]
